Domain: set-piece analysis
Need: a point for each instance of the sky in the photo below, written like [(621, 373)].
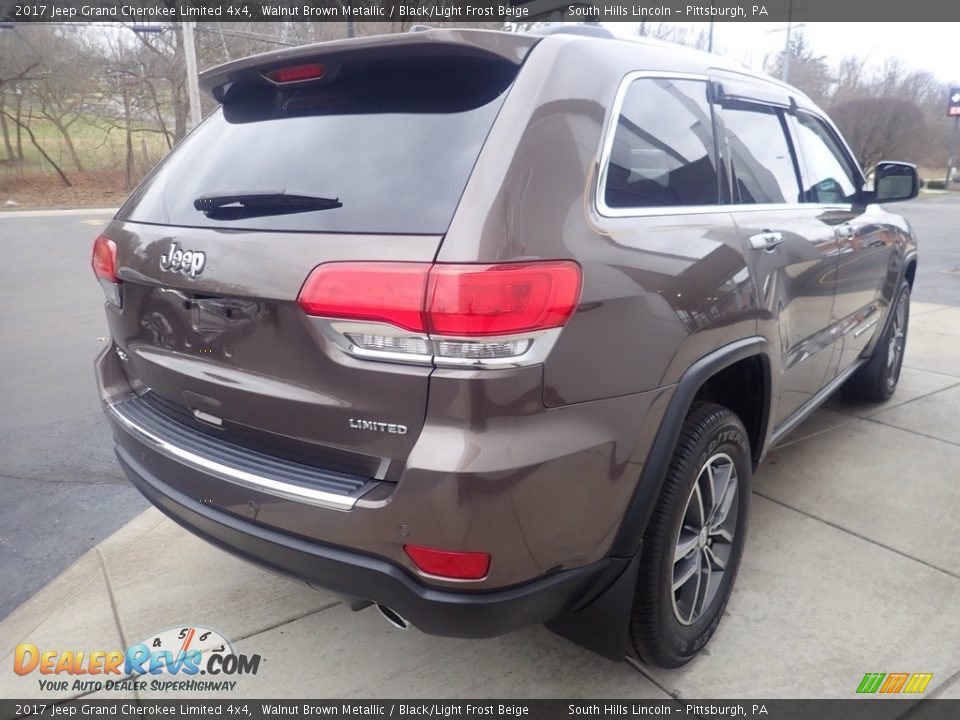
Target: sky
[(923, 46)]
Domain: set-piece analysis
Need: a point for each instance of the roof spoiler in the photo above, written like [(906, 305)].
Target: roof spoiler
[(511, 47)]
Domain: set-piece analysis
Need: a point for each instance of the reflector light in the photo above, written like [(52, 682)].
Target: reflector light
[(296, 73), (448, 563)]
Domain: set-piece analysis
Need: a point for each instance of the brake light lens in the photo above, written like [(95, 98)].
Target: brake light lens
[(449, 564), (467, 300), (296, 73), (380, 292), (445, 313), (105, 259), (104, 264)]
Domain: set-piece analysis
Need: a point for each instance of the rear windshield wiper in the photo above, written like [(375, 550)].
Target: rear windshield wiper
[(239, 204)]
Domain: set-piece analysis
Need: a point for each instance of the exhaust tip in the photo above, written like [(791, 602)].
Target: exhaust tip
[(393, 617)]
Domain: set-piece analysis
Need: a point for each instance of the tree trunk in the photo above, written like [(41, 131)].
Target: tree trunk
[(39, 147), (19, 126), (178, 93), (6, 131), (77, 163), (128, 175), (159, 110)]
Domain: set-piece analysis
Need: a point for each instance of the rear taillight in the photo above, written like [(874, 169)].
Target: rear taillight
[(105, 268), (483, 315), (448, 563)]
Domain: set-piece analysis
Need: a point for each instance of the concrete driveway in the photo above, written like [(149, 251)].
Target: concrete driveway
[(852, 566)]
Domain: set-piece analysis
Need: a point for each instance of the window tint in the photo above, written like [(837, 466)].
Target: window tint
[(763, 167), (827, 176), (663, 151), (394, 140)]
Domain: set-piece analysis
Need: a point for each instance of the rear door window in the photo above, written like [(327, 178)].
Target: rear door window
[(663, 151), (393, 140)]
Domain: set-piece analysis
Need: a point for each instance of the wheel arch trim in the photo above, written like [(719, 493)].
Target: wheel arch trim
[(641, 505)]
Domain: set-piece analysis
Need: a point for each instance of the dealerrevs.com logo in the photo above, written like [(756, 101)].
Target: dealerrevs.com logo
[(188, 658), (894, 683)]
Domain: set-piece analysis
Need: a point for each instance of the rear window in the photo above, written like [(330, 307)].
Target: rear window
[(394, 140)]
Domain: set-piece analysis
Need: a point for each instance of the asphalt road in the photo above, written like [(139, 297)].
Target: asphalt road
[(62, 489), (936, 223)]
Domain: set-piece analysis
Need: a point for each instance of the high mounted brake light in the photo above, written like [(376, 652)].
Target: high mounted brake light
[(296, 73), (445, 313), (104, 264)]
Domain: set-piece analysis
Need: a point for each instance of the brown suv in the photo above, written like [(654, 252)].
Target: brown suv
[(492, 329)]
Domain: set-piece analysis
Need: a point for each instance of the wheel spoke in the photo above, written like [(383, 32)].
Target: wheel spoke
[(706, 572), (723, 534), (714, 560), (724, 474), (686, 545), (723, 510), (696, 591), (712, 483), (687, 573)]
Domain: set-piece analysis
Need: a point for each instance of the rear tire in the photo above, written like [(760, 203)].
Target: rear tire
[(693, 544), (877, 380)]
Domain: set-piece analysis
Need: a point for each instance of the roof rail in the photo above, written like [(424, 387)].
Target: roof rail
[(420, 28), (568, 29)]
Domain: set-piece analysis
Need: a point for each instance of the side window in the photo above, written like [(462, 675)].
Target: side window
[(663, 149), (762, 164), (827, 177)]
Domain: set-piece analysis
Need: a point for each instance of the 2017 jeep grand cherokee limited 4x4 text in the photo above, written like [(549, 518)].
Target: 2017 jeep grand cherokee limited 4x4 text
[(492, 329)]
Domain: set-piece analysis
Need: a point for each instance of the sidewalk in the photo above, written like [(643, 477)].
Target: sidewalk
[(852, 565)]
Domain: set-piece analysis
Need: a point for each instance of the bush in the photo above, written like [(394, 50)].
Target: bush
[(935, 185)]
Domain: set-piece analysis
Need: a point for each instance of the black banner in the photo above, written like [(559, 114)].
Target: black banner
[(865, 709), (460, 11)]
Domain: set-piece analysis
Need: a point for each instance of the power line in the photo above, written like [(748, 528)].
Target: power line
[(242, 34)]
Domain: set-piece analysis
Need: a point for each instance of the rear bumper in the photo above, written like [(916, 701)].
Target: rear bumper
[(476, 614)]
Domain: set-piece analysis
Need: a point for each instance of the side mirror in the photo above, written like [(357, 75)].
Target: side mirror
[(894, 181)]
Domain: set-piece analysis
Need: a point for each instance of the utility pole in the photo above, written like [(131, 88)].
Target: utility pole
[(785, 70), (710, 33), (193, 86)]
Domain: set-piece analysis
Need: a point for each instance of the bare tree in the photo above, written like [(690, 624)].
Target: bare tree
[(808, 71), (880, 127), (17, 66), (39, 147), (60, 93)]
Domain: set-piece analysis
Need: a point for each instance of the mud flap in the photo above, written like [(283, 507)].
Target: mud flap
[(602, 625)]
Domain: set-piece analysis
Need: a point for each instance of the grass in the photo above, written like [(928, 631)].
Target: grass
[(101, 147)]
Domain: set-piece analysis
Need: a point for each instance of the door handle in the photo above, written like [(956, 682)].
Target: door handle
[(766, 240), (845, 231)]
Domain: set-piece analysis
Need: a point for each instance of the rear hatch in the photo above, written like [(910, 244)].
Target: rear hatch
[(345, 151)]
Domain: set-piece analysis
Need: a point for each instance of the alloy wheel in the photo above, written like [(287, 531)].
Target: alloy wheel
[(705, 541), (898, 338)]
